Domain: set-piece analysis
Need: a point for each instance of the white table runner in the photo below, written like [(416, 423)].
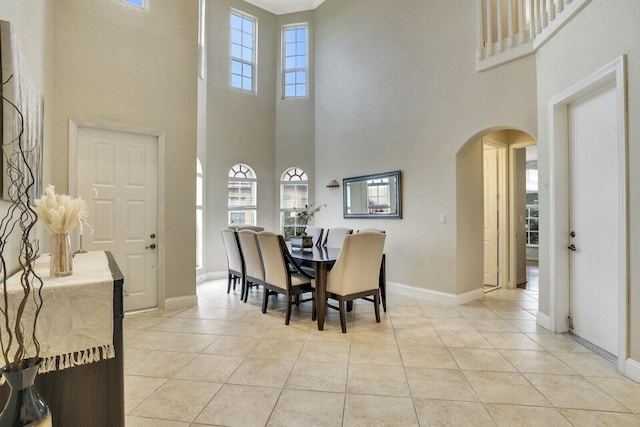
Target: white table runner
[(75, 325)]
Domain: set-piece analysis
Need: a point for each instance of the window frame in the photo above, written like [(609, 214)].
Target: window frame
[(145, 4), (293, 177), (202, 39), (199, 220), (243, 62), (295, 70), (242, 173)]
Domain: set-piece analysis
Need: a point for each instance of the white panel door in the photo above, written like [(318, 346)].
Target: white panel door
[(594, 218), (122, 168), (490, 174)]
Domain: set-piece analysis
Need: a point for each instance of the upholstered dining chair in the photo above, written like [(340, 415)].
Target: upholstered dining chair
[(235, 261), (278, 278), (254, 271), (383, 270), (355, 273), (335, 236), (255, 228), (315, 233), (372, 230)]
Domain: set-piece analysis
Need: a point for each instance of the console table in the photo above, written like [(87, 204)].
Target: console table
[(91, 394)]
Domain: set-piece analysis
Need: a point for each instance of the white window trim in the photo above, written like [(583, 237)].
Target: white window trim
[(145, 5), (254, 64), (284, 58)]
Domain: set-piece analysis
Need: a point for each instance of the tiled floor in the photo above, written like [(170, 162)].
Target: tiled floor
[(224, 363)]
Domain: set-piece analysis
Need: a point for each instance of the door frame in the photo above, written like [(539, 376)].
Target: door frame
[(74, 125), (513, 218), (503, 210), (615, 71)]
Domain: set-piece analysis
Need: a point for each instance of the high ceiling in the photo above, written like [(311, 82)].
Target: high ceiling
[(281, 7)]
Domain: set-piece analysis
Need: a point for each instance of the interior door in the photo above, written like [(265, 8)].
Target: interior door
[(594, 218), (122, 168), (490, 174)]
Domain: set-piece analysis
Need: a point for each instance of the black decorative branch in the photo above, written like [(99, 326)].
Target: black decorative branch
[(19, 218)]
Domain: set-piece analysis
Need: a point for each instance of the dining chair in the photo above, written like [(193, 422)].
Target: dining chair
[(235, 261), (356, 272), (372, 230), (254, 271), (383, 270), (278, 278), (255, 228), (315, 233), (335, 236)]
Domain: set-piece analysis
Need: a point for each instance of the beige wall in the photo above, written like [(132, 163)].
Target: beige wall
[(603, 31), (241, 126), (396, 88), (32, 21), (118, 65)]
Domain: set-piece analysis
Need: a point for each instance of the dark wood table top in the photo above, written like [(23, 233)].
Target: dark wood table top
[(316, 254)]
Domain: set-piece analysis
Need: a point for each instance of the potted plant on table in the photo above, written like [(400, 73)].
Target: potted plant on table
[(301, 240)]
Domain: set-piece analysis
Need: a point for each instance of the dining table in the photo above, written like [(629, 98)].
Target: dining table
[(321, 258)]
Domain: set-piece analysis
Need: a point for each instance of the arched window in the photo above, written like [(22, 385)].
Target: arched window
[(243, 189), (199, 213), (294, 194)]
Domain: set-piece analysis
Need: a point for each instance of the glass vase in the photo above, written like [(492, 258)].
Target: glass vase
[(61, 257), (24, 406)]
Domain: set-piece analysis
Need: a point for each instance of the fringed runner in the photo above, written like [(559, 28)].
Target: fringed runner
[(75, 325)]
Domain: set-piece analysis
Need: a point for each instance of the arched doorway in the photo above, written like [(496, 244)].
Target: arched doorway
[(493, 164)]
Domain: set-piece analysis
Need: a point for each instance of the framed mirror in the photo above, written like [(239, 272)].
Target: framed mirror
[(372, 196)]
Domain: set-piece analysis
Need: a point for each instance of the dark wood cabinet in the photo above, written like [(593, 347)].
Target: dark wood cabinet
[(91, 394)]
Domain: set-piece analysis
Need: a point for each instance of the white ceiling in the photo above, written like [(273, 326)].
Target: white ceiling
[(282, 7)]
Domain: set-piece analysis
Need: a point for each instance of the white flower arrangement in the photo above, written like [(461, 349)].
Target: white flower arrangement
[(59, 212)]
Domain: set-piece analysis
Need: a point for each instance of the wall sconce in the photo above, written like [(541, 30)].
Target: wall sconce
[(333, 184)]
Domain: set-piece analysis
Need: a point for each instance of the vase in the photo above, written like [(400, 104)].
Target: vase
[(61, 257), (24, 406)]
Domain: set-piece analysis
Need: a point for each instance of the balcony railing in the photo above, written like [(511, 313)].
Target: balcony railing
[(510, 29)]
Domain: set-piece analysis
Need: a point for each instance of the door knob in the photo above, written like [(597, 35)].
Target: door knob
[(151, 246), (572, 248), (572, 234)]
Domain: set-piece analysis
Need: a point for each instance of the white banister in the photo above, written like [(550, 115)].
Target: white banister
[(480, 53), (521, 25), (530, 23), (489, 34), (510, 23), (499, 38)]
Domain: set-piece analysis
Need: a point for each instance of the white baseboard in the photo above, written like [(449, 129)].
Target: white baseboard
[(543, 320), (441, 297), (632, 370), (180, 302), (210, 275)]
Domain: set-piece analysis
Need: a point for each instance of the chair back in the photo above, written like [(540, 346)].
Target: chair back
[(335, 236), (272, 249), (371, 230), (234, 256), (251, 253), (315, 233), (357, 268), (255, 228)]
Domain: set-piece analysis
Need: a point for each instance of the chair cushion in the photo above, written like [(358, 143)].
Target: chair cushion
[(298, 279)]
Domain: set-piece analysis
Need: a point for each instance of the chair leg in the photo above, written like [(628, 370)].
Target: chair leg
[(289, 303), (229, 283), (313, 306), (376, 305), (265, 299), (245, 291), (343, 315)]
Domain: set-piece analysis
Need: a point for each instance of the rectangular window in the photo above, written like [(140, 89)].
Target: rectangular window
[(295, 60), (142, 4), (243, 51)]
